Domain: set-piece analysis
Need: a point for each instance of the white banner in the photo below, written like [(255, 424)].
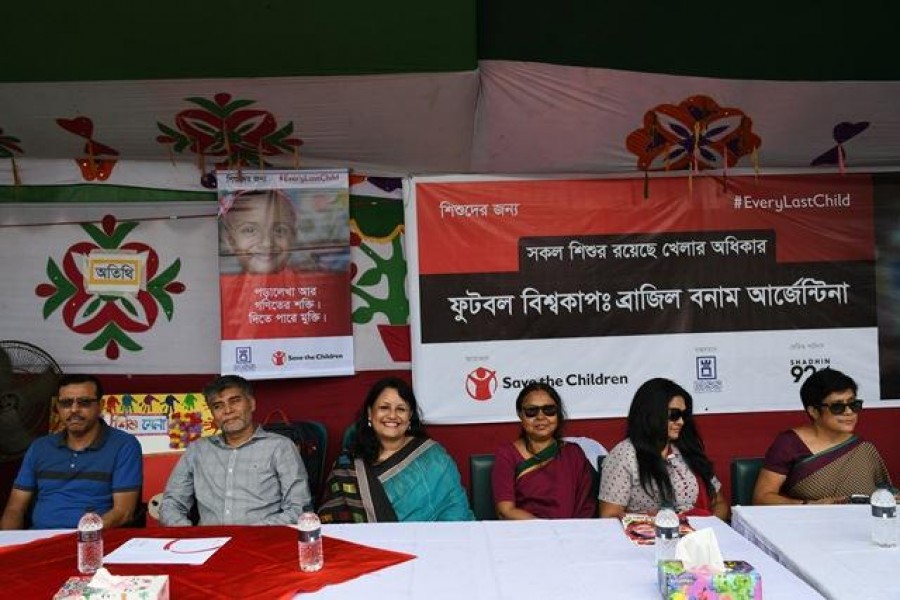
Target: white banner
[(380, 302), (284, 273), (113, 288), (736, 292)]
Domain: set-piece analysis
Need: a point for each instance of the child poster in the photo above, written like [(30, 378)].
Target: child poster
[(284, 273)]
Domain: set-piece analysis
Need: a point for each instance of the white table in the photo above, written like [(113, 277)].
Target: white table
[(20, 536), (828, 546), (493, 560), (569, 559)]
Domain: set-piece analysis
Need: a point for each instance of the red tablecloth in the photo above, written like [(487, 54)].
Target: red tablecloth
[(258, 562)]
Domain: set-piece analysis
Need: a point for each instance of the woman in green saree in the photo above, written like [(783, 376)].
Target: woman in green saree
[(823, 461), (392, 470)]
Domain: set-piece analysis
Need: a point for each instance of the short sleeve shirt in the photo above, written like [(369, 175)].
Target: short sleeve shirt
[(66, 482), (621, 483)]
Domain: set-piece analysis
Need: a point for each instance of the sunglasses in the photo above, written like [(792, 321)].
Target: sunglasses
[(82, 402), (838, 408), (549, 410), (677, 413)]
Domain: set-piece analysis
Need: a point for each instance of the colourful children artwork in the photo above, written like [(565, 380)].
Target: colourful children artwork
[(181, 418)]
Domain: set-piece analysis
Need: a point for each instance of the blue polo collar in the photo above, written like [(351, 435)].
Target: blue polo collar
[(98, 442)]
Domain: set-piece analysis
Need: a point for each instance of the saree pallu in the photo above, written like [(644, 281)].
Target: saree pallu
[(418, 483), (353, 494), (853, 467)]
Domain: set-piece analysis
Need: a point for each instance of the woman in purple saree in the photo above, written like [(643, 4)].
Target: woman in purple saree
[(539, 475), (823, 461)]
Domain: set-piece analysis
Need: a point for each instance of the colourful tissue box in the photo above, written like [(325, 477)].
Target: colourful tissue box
[(138, 587), (739, 581)]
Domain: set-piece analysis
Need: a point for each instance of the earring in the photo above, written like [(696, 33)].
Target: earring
[(370, 423)]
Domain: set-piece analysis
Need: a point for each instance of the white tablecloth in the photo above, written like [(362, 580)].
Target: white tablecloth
[(8, 538), (587, 559), (549, 560), (828, 546)]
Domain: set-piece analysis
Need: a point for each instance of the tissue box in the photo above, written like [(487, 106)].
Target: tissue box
[(138, 587), (739, 581)]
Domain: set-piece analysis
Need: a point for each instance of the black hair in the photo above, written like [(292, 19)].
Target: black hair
[(537, 386), (365, 443), (219, 384), (76, 378), (822, 384), (648, 430)]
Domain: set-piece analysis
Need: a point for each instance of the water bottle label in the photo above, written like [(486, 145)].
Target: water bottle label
[(89, 536), (884, 512), (309, 536), (669, 533)]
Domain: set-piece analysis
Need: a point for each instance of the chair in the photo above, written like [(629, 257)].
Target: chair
[(596, 477), (592, 448), (317, 459), (744, 472), (311, 439), (348, 436), (480, 467)]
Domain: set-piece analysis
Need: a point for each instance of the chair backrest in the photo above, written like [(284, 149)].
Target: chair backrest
[(348, 436), (595, 481), (318, 473), (744, 472), (480, 467), (311, 439), (592, 448)]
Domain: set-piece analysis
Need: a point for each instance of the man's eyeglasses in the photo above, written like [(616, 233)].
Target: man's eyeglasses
[(839, 408), (549, 410), (677, 413), (81, 402)]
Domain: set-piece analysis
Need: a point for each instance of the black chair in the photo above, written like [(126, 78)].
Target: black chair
[(480, 467), (744, 472), (596, 476), (348, 436), (311, 439), (317, 459)]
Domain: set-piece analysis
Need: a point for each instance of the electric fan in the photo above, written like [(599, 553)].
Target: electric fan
[(28, 381)]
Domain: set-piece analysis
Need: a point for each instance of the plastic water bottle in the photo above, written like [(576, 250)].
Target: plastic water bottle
[(90, 542), (884, 518), (309, 544), (666, 523)]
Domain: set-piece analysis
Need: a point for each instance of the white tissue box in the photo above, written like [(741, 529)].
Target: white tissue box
[(135, 587)]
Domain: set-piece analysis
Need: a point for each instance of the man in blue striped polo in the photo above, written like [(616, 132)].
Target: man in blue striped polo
[(87, 465)]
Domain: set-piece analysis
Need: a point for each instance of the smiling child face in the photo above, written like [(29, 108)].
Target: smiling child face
[(261, 230)]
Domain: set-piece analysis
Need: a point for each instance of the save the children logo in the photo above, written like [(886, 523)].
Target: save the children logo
[(481, 383), (279, 357), (109, 289)]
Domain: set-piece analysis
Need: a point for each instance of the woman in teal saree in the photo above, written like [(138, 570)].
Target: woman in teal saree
[(392, 470)]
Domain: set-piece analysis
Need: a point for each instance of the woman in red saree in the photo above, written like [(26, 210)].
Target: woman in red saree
[(822, 461), (540, 476)]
